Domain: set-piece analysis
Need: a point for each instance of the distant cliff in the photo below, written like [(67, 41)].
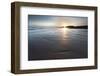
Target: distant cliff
[(78, 27), (74, 27)]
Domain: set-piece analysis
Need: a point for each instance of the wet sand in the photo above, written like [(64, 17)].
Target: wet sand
[(57, 43)]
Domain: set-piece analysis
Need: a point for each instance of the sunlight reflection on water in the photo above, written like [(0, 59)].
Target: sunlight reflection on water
[(64, 35)]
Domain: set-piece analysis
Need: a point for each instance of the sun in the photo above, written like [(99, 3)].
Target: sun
[(64, 24)]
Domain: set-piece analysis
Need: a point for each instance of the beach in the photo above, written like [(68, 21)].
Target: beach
[(57, 43)]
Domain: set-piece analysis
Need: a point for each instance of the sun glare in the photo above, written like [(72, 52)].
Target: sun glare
[(64, 25)]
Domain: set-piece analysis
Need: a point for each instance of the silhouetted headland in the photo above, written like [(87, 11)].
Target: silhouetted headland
[(74, 27), (77, 27)]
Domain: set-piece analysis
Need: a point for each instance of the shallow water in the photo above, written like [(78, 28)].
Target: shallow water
[(57, 43)]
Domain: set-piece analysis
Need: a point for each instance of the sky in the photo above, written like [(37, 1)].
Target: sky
[(55, 21)]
